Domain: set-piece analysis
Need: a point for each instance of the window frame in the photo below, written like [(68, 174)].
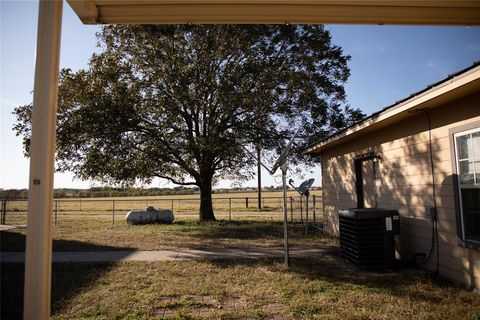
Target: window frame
[(453, 133)]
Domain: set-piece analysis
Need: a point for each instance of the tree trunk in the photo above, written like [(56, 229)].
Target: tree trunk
[(206, 208)]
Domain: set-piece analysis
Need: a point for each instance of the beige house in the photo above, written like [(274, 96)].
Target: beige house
[(419, 154)]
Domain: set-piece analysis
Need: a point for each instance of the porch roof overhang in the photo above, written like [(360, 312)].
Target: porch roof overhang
[(421, 12), (453, 87), (42, 150)]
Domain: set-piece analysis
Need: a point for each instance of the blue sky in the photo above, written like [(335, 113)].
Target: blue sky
[(388, 63)]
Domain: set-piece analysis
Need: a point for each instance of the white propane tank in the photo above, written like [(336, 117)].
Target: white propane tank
[(150, 215)]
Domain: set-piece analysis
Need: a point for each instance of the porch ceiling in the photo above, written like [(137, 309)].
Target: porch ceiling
[(421, 12)]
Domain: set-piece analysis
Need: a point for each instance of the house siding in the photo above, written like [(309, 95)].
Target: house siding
[(404, 182)]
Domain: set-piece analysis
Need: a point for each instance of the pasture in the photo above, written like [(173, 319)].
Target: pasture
[(322, 287), (233, 206), (91, 224)]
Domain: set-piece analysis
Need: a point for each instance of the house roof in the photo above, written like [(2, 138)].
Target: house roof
[(420, 12), (456, 85)]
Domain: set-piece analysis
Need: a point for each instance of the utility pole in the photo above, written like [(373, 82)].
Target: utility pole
[(259, 177), (282, 164)]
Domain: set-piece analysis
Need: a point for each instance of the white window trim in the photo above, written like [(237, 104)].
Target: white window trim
[(457, 168)]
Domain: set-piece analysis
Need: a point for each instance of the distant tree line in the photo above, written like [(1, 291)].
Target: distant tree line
[(107, 192), (102, 192)]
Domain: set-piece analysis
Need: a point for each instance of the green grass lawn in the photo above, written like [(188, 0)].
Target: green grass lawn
[(314, 288), (98, 234)]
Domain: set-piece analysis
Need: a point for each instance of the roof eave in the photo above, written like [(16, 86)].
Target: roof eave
[(463, 84)]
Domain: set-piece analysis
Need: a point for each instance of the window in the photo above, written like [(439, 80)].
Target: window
[(467, 158)]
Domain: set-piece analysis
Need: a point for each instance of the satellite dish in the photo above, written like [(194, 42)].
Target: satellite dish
[(283, 156), (281, 161), (304, 188)]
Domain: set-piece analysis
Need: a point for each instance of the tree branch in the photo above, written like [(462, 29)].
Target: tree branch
[(176, 181)]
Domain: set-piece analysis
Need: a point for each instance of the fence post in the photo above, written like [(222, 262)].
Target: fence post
[(113, 212), (301, 209), (172, 205), (4, 211), (306, 215), (56, 209), (246, 202), (229, 209), (291, 209), (80, 204), (313, 212)]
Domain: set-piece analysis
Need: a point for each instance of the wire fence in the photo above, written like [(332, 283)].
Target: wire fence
[(14, 212)]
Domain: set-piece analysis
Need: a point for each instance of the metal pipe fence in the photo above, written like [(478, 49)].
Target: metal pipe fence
[(14, 212)]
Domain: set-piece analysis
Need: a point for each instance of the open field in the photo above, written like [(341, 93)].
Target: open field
[(97, 234), (236, 206), (314, 288)]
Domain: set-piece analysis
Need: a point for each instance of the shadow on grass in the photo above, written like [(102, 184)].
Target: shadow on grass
[(242, 229), (187, 233), (67, 278), (333, 276), (15, 241)]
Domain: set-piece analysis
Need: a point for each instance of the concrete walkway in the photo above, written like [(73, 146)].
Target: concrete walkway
[(4, 227), (170, 255)]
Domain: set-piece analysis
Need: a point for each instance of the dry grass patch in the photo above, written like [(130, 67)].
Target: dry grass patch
[(97, 235), (314, 288)]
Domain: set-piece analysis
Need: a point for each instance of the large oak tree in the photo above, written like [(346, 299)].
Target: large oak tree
[(170, 102)]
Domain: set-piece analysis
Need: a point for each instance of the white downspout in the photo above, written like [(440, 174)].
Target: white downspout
[(38, 259)]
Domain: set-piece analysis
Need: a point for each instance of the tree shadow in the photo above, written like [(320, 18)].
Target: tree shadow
[(245, 229), (15, 241), (68, 278), (332, 270)]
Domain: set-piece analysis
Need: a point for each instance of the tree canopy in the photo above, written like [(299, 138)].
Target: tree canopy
[(170, 102)]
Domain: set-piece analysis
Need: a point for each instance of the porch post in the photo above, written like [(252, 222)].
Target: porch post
[(38, 259)]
